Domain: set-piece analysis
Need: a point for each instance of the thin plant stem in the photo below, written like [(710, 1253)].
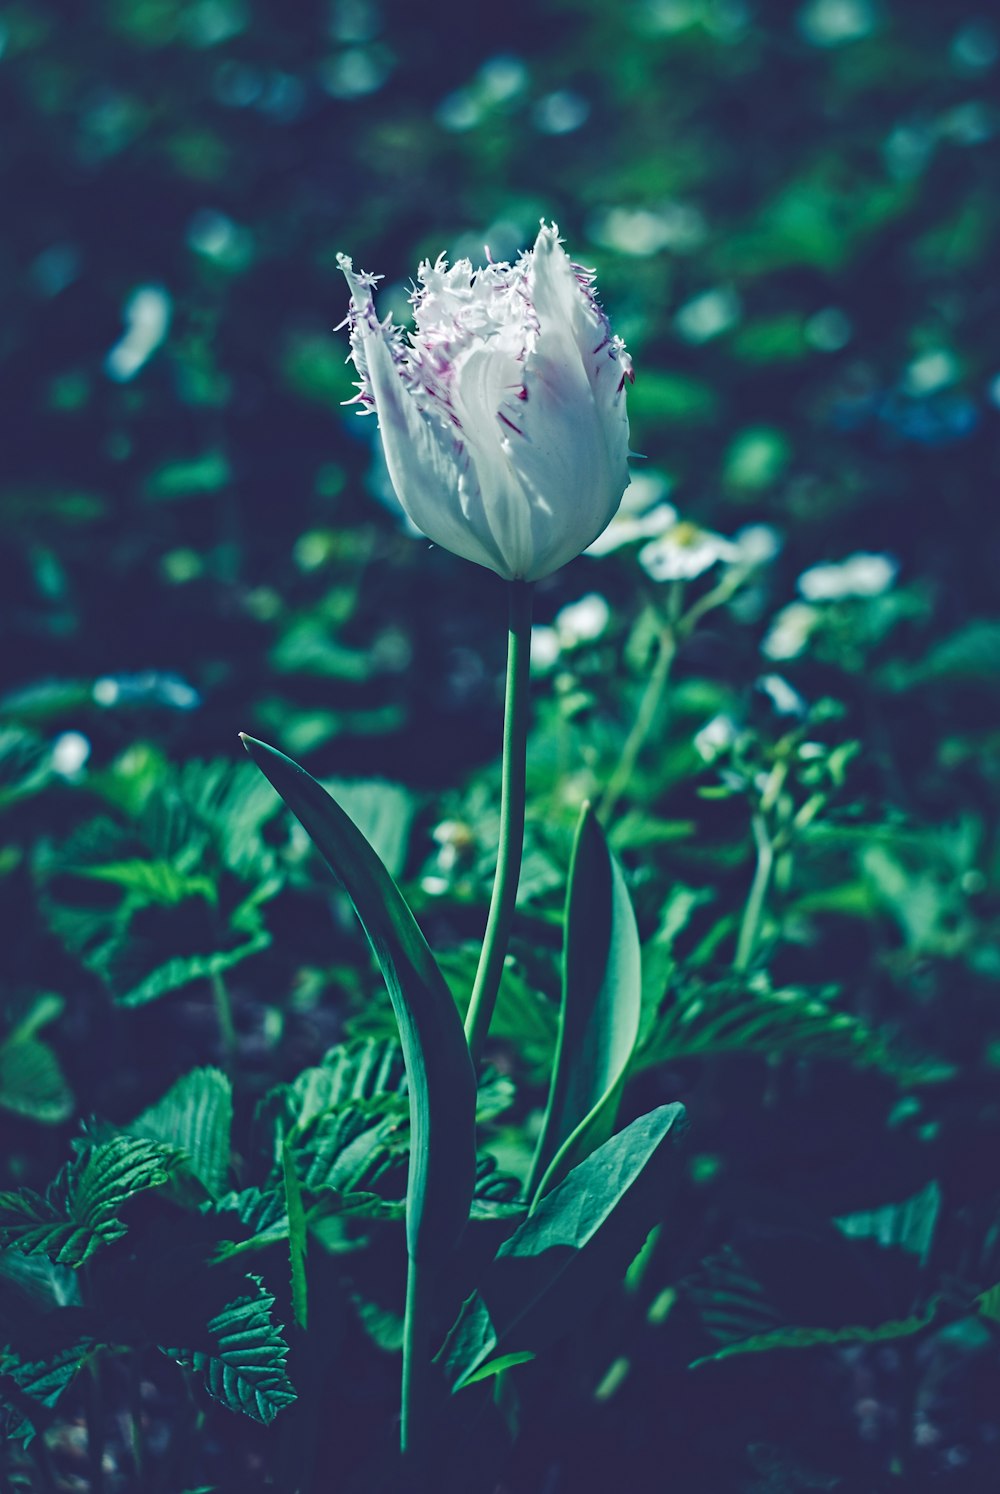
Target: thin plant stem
[(43, 1463), (95, 1427), (224, 1015), (753, 913), (512, 794), (649, 710), (416, 1360)]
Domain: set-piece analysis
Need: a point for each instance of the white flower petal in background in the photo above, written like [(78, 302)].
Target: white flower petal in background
[(757, 544), (784, 697), (861, 575), (545, 648), (147, 322), (583, 621), (790, 631), (715, 737), (70, 751), (684, 552)]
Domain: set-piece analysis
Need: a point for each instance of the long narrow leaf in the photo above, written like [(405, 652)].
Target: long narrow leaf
[(599, 1016), (441, 1079)]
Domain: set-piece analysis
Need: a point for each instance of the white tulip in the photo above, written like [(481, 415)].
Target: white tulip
[(502, 414)]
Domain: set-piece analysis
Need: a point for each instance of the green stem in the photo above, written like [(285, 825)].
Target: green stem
[(649, 710), (224, 1015), (95, 1428), (416, 1359), (512, 792), (753, 913)]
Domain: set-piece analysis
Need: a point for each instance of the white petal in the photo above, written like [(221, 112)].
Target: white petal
[(429, 468)]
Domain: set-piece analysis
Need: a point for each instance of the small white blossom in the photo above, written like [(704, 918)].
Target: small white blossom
[(545, 648), (715, 737), (790, 631), (786, 700), (583, 621), (757, 544), (70, 751), (502, 415), (861, 575), (684, 552)]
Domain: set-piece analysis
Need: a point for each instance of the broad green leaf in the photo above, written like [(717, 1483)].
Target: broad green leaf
[(579, 1240), (243, 1359), (909, 1225), (810, 1338), (196, 1117), (80, 1212), (599, 1014), (441, 1079)]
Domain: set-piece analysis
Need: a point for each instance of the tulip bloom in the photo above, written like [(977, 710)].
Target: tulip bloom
[(502, 414)]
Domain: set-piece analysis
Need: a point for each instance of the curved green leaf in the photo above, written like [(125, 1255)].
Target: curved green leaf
[(579, 1240), (599, 1016), (811, 1338), (442, 1082)]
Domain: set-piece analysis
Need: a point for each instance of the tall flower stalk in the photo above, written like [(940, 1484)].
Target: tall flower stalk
[(512, 795)]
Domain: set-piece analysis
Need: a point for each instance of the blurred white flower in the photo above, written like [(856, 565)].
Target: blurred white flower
[(684, 552), (786, 700), (861, 575), (545, 648), (757, 544), (147, 322), (583, 621), (715, 737), (644, 514), (790, 631), (503, 414), (70, 751)]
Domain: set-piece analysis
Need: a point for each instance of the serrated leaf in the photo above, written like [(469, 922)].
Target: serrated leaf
[(243, 1361), (577, 1242), (599, 1013), (441, 1079), (196, 1117), (42, 1382), (80, 1211)]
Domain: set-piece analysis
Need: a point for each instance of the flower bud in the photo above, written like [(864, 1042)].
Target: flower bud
[(502, 414)]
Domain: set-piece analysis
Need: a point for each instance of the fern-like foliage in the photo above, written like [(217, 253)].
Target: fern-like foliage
[(702, 1020), (242, 1360), (81, 1210)]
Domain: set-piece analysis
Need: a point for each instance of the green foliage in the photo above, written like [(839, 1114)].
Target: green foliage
[(704, 1019), (441, 1082), (190, 872), (599, 1014), (80, 1212), (573, 1247), (242, 1361), (32, 1082), (195, 1118)]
